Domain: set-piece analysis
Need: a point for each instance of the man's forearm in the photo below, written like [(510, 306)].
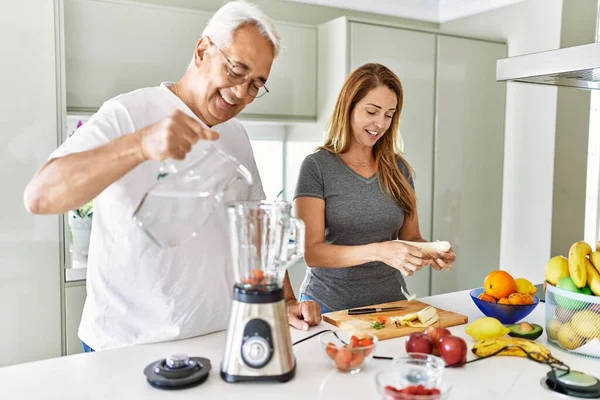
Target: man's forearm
[(66, 183)]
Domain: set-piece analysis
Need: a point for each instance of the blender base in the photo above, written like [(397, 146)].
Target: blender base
[(288, 376)]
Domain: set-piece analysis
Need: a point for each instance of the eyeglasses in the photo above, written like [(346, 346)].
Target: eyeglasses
[(239, 74)]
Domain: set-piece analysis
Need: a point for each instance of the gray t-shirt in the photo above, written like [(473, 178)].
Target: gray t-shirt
[(357, 212)]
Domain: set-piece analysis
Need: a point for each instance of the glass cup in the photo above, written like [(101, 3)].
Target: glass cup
[(177, 206)]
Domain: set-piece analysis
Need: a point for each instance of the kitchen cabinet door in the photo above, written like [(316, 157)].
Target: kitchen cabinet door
[(114, 48), (292, 83), (74, 300), (468, 159), (30, 294), (411, 55)]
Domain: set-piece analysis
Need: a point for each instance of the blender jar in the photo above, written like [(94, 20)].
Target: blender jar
[(261, 248)]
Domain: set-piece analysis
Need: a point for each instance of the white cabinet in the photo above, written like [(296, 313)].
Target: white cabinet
[(74, 300), (29, 245), (452, 125), (468, 159), (411, 56), (113, 48), (293, 80)]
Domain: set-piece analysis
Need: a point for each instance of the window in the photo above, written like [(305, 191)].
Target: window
[(269, 161)]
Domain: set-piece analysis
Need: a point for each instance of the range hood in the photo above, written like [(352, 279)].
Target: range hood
[(577, 66)]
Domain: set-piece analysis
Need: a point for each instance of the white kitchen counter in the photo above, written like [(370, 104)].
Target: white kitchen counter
[(118, 374)]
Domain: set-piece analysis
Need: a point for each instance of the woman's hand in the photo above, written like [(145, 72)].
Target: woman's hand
[(443, 260), (403, 257)]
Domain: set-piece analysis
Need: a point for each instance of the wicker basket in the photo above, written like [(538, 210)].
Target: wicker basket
[(573, 321)]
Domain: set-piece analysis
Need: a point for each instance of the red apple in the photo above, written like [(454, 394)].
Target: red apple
[(436, 333), (453, 349), (419, 343)]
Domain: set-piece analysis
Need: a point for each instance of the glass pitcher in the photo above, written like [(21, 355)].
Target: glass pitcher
[(260, 238), (176, 207)]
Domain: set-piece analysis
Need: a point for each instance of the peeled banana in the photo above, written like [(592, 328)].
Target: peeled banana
[(577, 256), (426, 317), (510, 346)]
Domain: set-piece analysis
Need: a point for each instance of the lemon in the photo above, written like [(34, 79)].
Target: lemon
[(556, 268), (525, 287), (586, 324), (486, 328)]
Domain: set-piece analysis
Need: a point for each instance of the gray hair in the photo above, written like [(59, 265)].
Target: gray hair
[(233, 15)]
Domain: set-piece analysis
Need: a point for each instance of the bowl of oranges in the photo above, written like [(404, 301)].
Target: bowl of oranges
[(507, 299)]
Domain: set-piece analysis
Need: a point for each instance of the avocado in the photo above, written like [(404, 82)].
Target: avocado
[(525, 330)]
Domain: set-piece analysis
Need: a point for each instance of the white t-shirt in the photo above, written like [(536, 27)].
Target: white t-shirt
[(136, 292)]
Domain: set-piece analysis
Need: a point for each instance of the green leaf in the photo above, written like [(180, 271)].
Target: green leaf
[(377, 325), (85, 210)]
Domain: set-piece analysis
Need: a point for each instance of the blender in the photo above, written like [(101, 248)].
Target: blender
[(259, 346)]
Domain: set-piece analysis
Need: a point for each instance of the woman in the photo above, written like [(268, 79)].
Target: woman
[(356, 196)]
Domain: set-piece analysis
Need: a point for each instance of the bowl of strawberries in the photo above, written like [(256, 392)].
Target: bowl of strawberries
[(349, 352), (413, 376)]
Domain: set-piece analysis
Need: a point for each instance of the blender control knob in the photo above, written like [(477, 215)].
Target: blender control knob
[(256, 352), (177, 361)]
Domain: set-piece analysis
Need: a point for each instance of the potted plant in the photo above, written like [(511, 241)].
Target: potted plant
[(80, 224)]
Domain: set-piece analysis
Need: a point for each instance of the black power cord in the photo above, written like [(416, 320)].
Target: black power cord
[(552, 362), (391, 358)]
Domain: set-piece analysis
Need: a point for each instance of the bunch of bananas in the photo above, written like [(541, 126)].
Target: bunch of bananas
[(510, 346)]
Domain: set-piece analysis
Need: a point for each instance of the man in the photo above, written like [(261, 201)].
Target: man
[(138, 293)]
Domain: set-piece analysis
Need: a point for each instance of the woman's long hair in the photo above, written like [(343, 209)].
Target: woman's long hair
[(387, 154)]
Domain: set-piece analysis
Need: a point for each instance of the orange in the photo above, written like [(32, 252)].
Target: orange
[(503, 300), (518, 298), (499, 284), (486, 297)]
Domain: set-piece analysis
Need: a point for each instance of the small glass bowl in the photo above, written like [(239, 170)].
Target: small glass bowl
[(345, 355), (413, 369), (388, 393)]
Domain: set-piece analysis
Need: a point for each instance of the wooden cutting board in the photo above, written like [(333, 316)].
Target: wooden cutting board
[(390, 331)]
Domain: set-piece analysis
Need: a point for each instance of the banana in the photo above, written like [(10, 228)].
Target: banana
[(510, 346), (426, 317), (577, 256), (593, 277), (595, 259)]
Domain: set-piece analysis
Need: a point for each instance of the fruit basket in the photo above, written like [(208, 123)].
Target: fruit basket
[(573, 321)]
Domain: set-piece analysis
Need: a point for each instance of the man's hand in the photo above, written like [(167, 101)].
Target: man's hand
[(173, 137), (303, 314)]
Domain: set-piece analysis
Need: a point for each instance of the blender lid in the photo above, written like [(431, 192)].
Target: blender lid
[(177, 372)]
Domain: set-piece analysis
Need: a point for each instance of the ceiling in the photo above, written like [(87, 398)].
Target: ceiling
[(437, 11)]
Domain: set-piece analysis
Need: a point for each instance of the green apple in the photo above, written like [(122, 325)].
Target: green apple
[(566, 283), (586, 290)]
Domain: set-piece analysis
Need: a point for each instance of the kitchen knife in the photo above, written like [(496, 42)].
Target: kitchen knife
[(359, 311)]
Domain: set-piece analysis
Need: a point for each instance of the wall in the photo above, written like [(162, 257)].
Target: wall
[(572, 137), (530, 129), (29, 246), (294, 12)]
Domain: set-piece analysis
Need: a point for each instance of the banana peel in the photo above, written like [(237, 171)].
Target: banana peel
[(422, 319)]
